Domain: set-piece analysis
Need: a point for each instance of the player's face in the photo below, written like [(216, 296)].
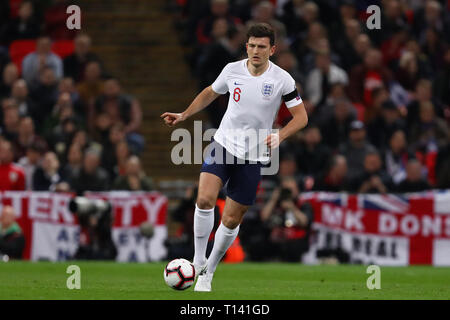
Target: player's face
[(259, 51)]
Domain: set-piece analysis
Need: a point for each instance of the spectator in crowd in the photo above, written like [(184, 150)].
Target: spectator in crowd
[(134, 178), (334, 179), (12, 240), (335, 127), (443, 167), (11, 120), (122, 153), (20, 93), (373, 179), (12, 176), (91, 177), (62, 110), (339, 27), (116, 135), (60, 138), (305, 49), (430, 16), (322, 77), (36, 62), (298, 15), (414, 181), (288, 222), (92, 84), (114, 107), (344, 46), (9, 76), (412, 66), (47, 175), (379, 96), (442, 81), (356, 148), (45, 94), (67, 85), (288, 166), (24, 26), (434, 47), (396, 156), (26, 136), (219, 9), (430, 132), (118, 107), (287, 61), (75, 64), (423, 94), (311, 155), (367, 76), (82, 138), (30, 161), (361, 44), (381, 128), (74, 162)]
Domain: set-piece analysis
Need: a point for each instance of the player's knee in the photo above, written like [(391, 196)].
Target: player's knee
[(230, 221), (205, 203)]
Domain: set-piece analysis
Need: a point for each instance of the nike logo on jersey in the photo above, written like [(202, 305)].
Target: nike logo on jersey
[(238, 84)]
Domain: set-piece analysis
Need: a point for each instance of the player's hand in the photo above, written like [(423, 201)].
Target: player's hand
[(272, 140), (171, 119)]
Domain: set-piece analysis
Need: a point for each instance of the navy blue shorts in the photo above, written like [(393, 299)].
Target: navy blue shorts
[(241, 179)]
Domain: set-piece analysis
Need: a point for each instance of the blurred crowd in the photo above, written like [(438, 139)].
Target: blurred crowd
[(377, 99), (65, 123)]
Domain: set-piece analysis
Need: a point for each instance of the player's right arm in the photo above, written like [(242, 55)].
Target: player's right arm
[(201, 101)]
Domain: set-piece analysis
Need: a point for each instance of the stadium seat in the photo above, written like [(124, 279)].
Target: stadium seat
[(19, 49), (63, 48)]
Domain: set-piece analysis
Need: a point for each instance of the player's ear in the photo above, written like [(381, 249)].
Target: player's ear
[(272, 50)]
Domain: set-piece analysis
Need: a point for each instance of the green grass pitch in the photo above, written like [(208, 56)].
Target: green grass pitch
[(253, 281)]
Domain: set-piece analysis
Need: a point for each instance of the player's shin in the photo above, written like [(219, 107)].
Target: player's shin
[(223, 239), (203, 225)]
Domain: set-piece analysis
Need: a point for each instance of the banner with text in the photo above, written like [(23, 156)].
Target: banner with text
[(389, 229), (52, 231)]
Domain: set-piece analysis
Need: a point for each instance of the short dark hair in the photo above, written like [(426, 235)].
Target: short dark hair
[(261, 30)]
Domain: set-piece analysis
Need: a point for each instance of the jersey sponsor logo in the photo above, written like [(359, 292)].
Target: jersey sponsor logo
[(267, 89)]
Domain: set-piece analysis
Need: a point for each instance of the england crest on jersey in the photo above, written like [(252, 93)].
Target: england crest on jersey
[(267, 89)]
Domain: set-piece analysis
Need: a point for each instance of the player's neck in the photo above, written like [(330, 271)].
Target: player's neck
[(257, 71)]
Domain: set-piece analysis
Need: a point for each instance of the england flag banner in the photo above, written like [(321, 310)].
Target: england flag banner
[(52, 232), (391, 230)]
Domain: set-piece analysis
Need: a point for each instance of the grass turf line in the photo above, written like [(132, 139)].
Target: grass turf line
[(253, 281)]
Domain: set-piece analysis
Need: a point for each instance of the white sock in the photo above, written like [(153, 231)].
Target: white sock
[(203, 225), (222, 241)]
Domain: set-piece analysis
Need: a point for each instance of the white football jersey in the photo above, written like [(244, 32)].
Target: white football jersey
[(252, 107)]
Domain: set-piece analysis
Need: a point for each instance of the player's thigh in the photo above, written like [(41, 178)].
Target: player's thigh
[(233, 213), (208, 189)]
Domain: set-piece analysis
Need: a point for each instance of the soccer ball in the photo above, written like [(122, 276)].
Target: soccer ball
[(179, 274)]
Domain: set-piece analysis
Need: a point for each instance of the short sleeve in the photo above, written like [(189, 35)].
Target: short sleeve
[(290, 94), (220, 85)]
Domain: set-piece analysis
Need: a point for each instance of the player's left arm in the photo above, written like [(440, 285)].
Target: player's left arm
[(299, 121)]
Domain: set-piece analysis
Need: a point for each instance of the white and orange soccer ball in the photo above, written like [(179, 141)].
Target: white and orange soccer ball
[(179, 274)]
